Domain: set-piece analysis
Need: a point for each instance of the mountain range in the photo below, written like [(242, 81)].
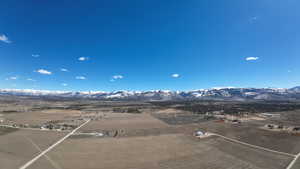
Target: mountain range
[(227, 93)]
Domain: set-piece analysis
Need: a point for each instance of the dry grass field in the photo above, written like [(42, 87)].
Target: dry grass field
[(124, 121), (296, 165), (174, 151), (17, 146), (40, 117), (251, 133)]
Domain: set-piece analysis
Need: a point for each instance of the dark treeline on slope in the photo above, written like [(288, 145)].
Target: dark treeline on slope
[(202, 107)]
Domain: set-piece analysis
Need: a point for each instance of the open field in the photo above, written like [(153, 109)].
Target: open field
[(17, 146), (165, 151), (138, 135), (40, 117), (251, 133), (124, 121), (296, 165), (289, 117)]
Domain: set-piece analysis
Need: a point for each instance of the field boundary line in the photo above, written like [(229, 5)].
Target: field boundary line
[(52, 146), (293, 162), (56, 166), (254, 146), (33, 129)]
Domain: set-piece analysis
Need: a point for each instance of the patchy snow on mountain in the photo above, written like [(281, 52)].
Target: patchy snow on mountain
[(219, 93)]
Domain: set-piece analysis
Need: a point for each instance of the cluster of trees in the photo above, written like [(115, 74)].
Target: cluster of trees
[(203, 107), (133, 110)]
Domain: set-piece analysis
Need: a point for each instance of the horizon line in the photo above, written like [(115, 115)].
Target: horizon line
[(212, 88)]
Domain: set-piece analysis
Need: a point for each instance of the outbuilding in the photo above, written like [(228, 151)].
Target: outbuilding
[(199, 133)]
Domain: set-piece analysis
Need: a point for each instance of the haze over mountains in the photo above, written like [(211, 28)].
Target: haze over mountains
[(202, 94)]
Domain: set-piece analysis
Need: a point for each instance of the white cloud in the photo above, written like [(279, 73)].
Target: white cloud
[(29, 79), (252, 58), (64, 70), (175, 75), (12, 78), (64, 84), (83, 58), (80, 77), (35, 55), (43, 71), (118, 77), (5, 39)]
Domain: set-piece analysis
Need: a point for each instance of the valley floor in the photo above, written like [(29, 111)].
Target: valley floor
[(147, 137)]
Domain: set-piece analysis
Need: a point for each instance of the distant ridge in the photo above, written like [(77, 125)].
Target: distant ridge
[(295, 89), (227, 93)]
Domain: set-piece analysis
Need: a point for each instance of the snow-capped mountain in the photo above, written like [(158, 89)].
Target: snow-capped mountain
[(295, 89), (229, 93)]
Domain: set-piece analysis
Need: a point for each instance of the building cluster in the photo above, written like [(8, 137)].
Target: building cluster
[(58, 126), (275, 127), (221, 116)]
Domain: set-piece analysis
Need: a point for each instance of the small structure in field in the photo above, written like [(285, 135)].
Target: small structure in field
[(270, 115), (289, 129), (98, 134), (271, 126), (201, 134)]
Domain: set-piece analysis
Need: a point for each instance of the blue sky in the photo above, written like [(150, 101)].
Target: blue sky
[(145, 45)]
